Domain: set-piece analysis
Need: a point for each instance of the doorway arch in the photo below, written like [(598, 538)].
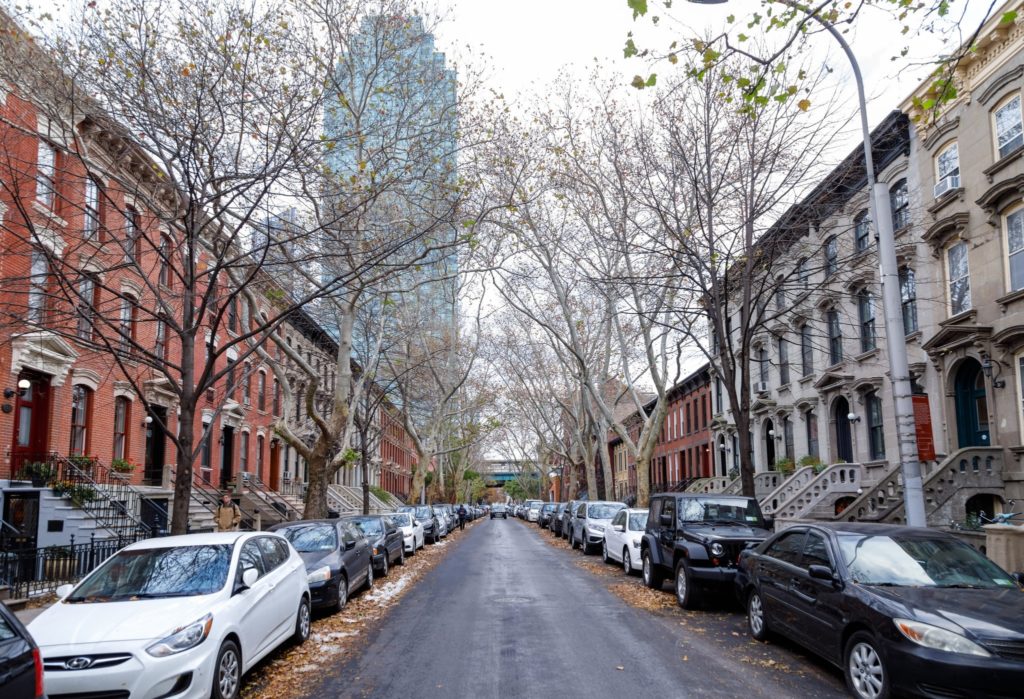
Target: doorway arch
[(844, 436), (972, 428)]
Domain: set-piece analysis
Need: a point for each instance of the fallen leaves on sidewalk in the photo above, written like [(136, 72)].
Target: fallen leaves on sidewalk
[(636, 595), (292, 670)]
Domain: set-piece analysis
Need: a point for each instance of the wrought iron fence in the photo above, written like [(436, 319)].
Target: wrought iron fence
[(36, 571)]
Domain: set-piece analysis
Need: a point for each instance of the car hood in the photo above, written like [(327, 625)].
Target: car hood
[(316, 559), (102, 622), (982, 613), (727, 532)]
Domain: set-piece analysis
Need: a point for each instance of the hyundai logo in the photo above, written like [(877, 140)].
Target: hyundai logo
[(79, 663)]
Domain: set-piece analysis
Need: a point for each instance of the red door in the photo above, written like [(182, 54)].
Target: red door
[(275, 465), (31, 421)]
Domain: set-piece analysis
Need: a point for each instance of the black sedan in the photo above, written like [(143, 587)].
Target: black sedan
[(901, 610), (337, 558), (499, 511), (385, 538), (21, 667)]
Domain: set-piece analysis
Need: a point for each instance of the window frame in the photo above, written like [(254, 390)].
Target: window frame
[(908, 299), (133, 235), (81, 413), (950, 281), (875, 426), (88, 293), (1017, 213), (783, 350), (862, 231), (127, 322), (899, 204), (998, 151), (46, 174), (831, 248), (806, 350), (937, 161), (38, 287), (122, 418), (866, 320), (835, 337), (91, 199)]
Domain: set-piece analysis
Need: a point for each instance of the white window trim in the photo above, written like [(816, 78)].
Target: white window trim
[(992, 121), (949, 280), (1004, 234), (1019, 384), (954, 143)]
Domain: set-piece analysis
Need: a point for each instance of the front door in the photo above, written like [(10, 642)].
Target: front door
[(156, 445), (844, 438), (227, 456), (971, 406), (769, 444), (31, 422), (275, 465), (21, 520)]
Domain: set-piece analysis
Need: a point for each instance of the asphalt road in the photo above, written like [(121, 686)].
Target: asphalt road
[(507, 614)]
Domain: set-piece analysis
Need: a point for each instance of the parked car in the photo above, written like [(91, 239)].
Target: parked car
[(182, 616), (21, 664), (412, 531), (590, 521), (442, 521), (385, 539), (546, 511), (697, 538), (898, 609), (424, 514), (499, 510), (566, 526), (337, 557), (622, 539), (555, 523)]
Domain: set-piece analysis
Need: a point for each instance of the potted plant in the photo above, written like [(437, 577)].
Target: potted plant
[(39, 472), (123, 466), (80, 493), (785, 466), (81, 461), (814, 461)]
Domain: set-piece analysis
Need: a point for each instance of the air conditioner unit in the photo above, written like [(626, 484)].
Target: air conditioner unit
[(760, 387), (947, 184)]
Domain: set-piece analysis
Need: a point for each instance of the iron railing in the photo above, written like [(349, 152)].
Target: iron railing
[(286, 510), (37, 571)]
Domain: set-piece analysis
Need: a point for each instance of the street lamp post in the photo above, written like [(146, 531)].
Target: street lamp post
[(899, 369)]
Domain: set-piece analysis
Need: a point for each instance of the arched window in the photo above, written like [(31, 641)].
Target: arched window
[(899, 201), (81, 398), (1008, 126), (122, 408), (862, 231)]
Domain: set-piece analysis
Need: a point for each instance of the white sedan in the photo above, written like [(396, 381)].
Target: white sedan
[(181, 616), (622, 539), (412, 531)]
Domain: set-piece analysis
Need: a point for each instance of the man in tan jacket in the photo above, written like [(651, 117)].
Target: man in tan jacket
[(228, 515)]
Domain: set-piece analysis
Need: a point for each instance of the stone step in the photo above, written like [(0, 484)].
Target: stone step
[(5, 592), (16, 604)]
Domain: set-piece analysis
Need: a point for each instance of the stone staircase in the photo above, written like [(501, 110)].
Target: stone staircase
[(348, 500), (816, 498), (708, 485), (786, 490)]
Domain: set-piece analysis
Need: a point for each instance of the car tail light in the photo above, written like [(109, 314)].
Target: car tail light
[(37, 659)]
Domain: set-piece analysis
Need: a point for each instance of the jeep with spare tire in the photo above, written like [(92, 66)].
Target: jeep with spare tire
[(696, 539)]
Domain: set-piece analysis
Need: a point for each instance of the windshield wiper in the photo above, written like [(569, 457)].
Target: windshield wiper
[(961, 586)]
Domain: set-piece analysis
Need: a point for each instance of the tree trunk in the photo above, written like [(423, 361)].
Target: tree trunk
[(186, 437), (316, 491), (606, 469)]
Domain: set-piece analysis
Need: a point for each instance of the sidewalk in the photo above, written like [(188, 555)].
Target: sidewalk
[(29, 613)]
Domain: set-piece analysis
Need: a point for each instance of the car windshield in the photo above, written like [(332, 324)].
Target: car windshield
[(307, 538), (602, 511), (403, 519), (637, 521), (369, 526), (721, 511), (424, 513), (180, 571), (547, 508), (919, 561)]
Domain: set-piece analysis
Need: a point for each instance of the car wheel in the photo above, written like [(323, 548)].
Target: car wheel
[(685, 594), (401, 556), (342, 593), (572, 540), (384, 568), (369, 576), (627, 562), (604, 552), (227, 676), (303, 622), (757, 621), (866, 675), (652, 577)]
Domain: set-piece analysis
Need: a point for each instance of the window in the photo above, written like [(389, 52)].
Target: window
[(297, 414), (229, 388), (247, 384), (164, 273), (719, 400), (1015, 248), (803, 272), (86, 305), (261, 390), (91, 225), (127, 329), (277, 399), (243, 453), (762, 362), (835, 338), (862, 231), (232, 316), (787, 548), (160, 347), (204, 457), (783, 361), (806, 350), (259, 456), (811, 427), (899, 201), (787, 437), (831, 256), (46, 168), (132, 235), (39, 277), (866, 312), (121, 406), (80, 397), (908, 298), (780, 296), (816, 551), (876, 430), (947, 162), (1009, 134), (959, 279)]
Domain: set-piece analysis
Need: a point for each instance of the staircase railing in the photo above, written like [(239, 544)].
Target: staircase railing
[(836, 480), (105, 495), (273, 498), (787, 490), (715, 484), (199, 494), (764, 483)]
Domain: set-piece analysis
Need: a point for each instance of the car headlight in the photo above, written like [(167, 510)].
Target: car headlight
[(636, 543), (940, 639), (597, 527), (182, 638), (319, 575), (717, 549)]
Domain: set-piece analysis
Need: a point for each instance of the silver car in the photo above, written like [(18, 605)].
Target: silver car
[(589, 522)]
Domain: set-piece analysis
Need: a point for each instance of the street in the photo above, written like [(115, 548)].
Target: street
[(510, 613)]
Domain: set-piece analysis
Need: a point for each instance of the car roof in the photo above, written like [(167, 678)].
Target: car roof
[(638, 510), (605, 502), (204, 539), (693, 496), (301, 522), (873, 529)]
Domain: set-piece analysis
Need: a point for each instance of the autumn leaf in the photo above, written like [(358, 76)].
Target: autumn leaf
[(804, 105)]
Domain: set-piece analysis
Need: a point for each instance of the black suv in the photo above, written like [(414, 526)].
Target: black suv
[(697, 539)]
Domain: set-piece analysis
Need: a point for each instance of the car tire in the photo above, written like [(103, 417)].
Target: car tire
[(866, 674), (653, 578), (401, 556), (384, 568), (227, 671), (303, 622), (683, 584), (368, 585), (604, 553), (627, 562), (757, 620), (572, 541), (342, 593)]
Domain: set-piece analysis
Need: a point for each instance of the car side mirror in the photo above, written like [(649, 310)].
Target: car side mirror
[(1018, 576), (819, 572), (769, 523), (249, 577), (618, 527), (665, 520), (349, 545), (65, 590)]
